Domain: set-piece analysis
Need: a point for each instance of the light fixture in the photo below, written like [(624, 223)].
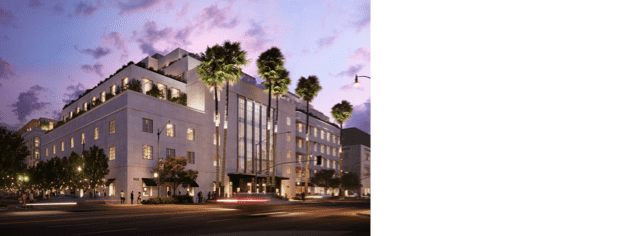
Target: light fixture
[(356, 84), (156, 175)]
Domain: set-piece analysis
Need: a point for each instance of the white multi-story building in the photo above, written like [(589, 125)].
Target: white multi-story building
[(356, 158), (125, 123), (324, 140)]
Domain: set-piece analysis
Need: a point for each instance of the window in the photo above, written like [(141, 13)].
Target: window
[(169, 152), (315, 147), (96, 133), (147, 152), (191, 134), (64, 118), (62, 146), (215, 138), (288, 121), (315, 132), (190, 157), (367, 170), (145, 188), (334, 152), (299, 127), (93, 101), (162, 88), (113, 89), (70, 115), (368, 156), (46, 152), (111, 127), (175, 92), (328, 163), (86, 106), (72, 143), (124, 83), (322, 134), (36, 154), (147, 85), (289, 137), (328, 150), (288, 153), (77, 110), (147, 125), (111, 153), (328, 137), (288, 169), (322, 148), (299, 142), (37, 141), (298, 158), (102, 96), (83, 139), (215, 159), (53, 149), (170, 130)]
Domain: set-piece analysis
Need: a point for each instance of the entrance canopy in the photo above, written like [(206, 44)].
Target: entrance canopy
[(149, 182), (109, 182)]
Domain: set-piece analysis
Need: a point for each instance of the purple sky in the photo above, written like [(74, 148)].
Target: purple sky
[(50, 52)]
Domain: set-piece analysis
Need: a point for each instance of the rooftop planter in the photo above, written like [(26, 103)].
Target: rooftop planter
[(312, 115)]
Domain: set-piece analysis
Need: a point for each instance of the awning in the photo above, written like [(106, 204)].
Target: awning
[(193, 184), (109, 182), (149, 182)]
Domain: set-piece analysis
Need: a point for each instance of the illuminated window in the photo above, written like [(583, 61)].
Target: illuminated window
[(315, 147), (322, 148), (77, 110), (190, 157), (93, 101), (328, 137), (147, 125), (53, 149), (328, 163), (46, 152), (96, 133), (289, 137), (288, 169), (50, 125), (170, 130), (83, 141), (70, 115), (36, 153), (315, 132), (175, 93), (328, 150), (113, 89), (169, 152), (86, 106), (322, 134), (64, 118), (191, 134), (299, 142), (102, 96), (72, 143), (288, 121), (147, 85), (111, 153), (162, 88), (62, 146), (214, 142), (111, 127), (288, 153), (124, 83), (36, 141), (299, 126), (338, 140), (147, 152)]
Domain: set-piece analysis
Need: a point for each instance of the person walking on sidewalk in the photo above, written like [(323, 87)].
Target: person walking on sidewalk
[(132, 197), (139, 198), (200, 197), (122, 197)]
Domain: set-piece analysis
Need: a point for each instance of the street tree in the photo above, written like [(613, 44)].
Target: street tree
[(175, 174), (270, 67), (279, 88), (75, 168), (95, 167), (351, 181), (341, 112), (326, 178), (13, 153), (308, 89)]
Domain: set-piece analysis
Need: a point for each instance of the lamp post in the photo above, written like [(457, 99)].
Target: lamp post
[(256, 172), (356, 84), (156, 176), (160, 160)]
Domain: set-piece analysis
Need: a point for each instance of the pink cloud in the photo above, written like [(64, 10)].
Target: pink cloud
[(360, 55)]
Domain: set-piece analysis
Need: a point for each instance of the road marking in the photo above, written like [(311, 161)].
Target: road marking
[(57, 226), (105, 231)]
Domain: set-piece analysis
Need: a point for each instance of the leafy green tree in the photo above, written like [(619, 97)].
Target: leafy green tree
[(75, 168), (135, 85), (13, 153), (95, 166), (341, 112), (351, 181), (222, 64), (270, 67), (279, 88), (174, 172), (54, 171), (308, 89), (325, 178), (154, 91)]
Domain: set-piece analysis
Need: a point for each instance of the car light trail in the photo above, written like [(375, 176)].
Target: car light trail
[(51, 204)]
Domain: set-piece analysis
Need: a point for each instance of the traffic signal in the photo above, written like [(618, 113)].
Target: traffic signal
[(318, 160)]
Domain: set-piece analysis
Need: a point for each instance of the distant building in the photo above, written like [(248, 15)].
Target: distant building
[(357, 156)]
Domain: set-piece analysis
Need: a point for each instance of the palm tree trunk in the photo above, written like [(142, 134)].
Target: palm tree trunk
[(269, 107), (340, 164), (217, 139), (227, 100), (307, 152)]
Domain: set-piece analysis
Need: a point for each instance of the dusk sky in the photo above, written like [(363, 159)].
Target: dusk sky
[(51, 51)]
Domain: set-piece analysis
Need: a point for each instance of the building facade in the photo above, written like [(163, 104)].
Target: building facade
[(357, 157)]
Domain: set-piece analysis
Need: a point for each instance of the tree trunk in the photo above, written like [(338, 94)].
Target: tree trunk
[(273, 178), (217, 139), (307, 152), (340, 164), (269, 107), (227, 96)]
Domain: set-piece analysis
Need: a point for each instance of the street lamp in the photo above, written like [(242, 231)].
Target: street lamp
[(160, 160), (356, 84)]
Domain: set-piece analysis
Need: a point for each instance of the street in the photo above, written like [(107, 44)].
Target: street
[(293, 218)]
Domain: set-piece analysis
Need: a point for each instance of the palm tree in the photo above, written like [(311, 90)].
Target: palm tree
[(308, 89), (270, 66), (279, 88), (222, 64), (341, 112)]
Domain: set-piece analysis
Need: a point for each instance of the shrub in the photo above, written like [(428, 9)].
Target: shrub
[(135, 85), (141, 64), (109, 96), (155, 92), (2, 204), (184, 199)]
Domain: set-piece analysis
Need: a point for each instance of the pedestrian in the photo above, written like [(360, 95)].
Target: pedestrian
[(132, 198), (179, 193), (209, 195), (303, 196), (30, 196), (200, 197), (122, 197), (168, 193), (104, 193), (139, 198)]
